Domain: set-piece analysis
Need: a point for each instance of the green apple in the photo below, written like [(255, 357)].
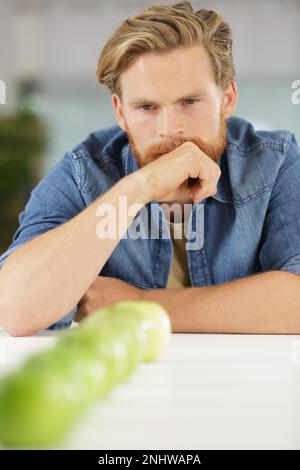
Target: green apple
[(112, 340), (154, 321), (40, 402), (128, 332), (89, 376)]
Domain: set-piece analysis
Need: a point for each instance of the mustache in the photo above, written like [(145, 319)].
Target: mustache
[(213, 148), (154, 151)]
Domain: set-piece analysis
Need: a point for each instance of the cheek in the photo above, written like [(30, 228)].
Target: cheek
[(138, 122), (146, 122), (142, 129), (208, 121)]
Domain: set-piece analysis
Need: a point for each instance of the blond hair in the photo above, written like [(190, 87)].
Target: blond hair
[(161, 28)]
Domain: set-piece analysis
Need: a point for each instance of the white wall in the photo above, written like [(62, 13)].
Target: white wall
[(61, 39), (57, 42)]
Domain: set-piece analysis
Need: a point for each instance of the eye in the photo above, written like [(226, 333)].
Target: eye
[(149, 107), (190, 101), (145, 106)]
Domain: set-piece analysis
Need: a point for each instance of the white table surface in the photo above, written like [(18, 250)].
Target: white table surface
[(205, 392)]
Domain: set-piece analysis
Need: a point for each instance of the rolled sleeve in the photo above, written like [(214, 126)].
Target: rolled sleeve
[(54, 201), (280, 243)]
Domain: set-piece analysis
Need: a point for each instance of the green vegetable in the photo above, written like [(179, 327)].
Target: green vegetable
[(40, 402)]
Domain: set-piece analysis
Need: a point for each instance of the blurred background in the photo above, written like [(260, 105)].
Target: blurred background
[(48, 56)]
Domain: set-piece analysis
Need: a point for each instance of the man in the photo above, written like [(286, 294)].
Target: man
[(171, 75)]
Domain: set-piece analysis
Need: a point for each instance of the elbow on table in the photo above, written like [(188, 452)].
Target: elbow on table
[(15, 321)]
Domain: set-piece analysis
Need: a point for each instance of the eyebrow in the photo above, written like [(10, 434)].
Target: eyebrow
[(140, 101)]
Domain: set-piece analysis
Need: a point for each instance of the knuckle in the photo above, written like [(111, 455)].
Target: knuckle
[(218, 173), (191, 150), (189, 145), (193, 147), (215, 174)]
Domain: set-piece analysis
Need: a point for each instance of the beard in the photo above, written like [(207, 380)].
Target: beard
[(213, 149)]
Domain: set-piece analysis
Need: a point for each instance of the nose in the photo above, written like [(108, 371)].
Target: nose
[(170, 124)]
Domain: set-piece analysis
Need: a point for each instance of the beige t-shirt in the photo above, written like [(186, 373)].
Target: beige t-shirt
[(179, 273)]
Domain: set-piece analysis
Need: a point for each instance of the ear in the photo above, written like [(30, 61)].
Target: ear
[(230, 99), (117, 105)]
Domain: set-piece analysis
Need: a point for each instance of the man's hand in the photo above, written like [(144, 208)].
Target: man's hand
[(168, 176), (103, 292)]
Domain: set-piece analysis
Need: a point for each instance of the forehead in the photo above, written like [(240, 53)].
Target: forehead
[(178, 70)]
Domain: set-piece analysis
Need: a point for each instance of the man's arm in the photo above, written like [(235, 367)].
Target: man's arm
[(265, 303), (42, 280)]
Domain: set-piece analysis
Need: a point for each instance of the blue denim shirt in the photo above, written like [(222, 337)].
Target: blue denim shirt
[(251, 225)]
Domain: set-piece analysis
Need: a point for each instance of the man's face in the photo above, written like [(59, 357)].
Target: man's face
[(170, 99)]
